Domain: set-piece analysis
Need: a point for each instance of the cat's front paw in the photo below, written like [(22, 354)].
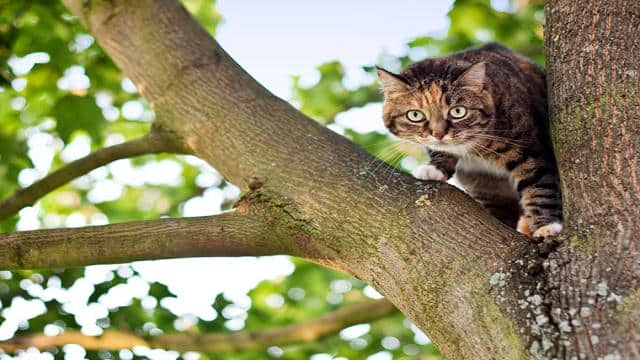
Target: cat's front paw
[(548, 230), (428, 172)]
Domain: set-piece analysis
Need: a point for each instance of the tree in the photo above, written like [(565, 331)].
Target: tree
[(476, 287)]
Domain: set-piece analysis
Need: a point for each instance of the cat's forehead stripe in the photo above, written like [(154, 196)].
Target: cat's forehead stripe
[(433, 94)]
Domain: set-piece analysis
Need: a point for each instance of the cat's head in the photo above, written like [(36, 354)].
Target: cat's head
[(444, 106)]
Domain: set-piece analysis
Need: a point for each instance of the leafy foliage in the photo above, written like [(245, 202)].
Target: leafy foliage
[(61, 96), (74, 113)]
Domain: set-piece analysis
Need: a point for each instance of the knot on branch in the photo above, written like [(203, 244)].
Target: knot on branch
[(260, 200), (168, 140), (281, 212)]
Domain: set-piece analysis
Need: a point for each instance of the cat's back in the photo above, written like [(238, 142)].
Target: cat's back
[(501, 59), (534, 75)]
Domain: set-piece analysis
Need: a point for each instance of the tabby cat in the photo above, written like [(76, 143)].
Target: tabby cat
[(482, 115)]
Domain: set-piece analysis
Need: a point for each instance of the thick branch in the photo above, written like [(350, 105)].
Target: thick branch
[(228, 234), (307, 331), (150, 144), (428, 248)]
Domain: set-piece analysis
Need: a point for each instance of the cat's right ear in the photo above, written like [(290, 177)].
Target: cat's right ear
[(391, 83), (474, 76)]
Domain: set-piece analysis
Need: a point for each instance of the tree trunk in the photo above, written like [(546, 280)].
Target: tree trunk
[(477, 288), (593, 51)]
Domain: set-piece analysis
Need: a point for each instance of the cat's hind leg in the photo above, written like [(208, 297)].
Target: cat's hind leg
[(494, 193)]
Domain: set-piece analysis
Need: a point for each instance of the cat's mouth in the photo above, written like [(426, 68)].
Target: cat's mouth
[(447, 140), (458, 149), (459, 146)]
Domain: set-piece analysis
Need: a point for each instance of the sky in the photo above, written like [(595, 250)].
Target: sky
[(273, 41)]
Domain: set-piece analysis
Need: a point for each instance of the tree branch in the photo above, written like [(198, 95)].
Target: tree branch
[(306, 331), (228, 234), (427, 247), (152, 143)]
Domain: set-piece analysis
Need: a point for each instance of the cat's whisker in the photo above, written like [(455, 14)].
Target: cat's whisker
[(381, 153), (388, 152), (475, 150), (482, 132), (492, 131), (494, 152), (490, 150), (393, 165), (489, 133), (377, 162), (392, 154), (376, 143), (488, 161), (500, 139), (373, 162)]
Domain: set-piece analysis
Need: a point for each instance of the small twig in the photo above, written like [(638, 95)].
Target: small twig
[(153, 143)]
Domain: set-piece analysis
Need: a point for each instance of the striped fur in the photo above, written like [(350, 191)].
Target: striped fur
[(500, 150)]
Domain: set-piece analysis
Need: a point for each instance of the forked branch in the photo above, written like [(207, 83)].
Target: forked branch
[(306, 331), (427, 247)]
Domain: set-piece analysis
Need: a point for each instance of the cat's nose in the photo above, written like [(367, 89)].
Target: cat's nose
[(438, 134), (438, 129)]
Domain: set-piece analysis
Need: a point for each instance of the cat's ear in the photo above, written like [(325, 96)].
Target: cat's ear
[(391, 82), (474, 76)]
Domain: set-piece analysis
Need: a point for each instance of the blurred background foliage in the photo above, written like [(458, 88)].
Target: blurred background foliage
[(62, 97)]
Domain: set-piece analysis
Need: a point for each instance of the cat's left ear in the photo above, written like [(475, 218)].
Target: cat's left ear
[(391, 83), (474, 76)]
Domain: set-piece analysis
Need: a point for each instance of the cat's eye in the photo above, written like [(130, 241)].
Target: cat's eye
[(415, 115), (458, 112)]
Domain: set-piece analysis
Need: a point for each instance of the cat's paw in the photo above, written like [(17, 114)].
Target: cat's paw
[(428, 172), (548, 230)]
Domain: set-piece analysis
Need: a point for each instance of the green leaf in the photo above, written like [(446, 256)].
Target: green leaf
[(74, 113)]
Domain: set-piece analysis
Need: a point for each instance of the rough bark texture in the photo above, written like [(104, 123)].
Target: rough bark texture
[(473, 285), (410, 239), (229, 234), (593, 50)]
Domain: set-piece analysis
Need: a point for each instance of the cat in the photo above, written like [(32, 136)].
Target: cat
[(482, 115)]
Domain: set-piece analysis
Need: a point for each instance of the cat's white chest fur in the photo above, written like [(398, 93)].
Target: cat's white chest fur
[(471, 163), (459, 150)]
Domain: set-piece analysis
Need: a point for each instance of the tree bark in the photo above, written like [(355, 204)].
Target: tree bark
[(477, 288), (410, 239), (593, 53), (228, 234)]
